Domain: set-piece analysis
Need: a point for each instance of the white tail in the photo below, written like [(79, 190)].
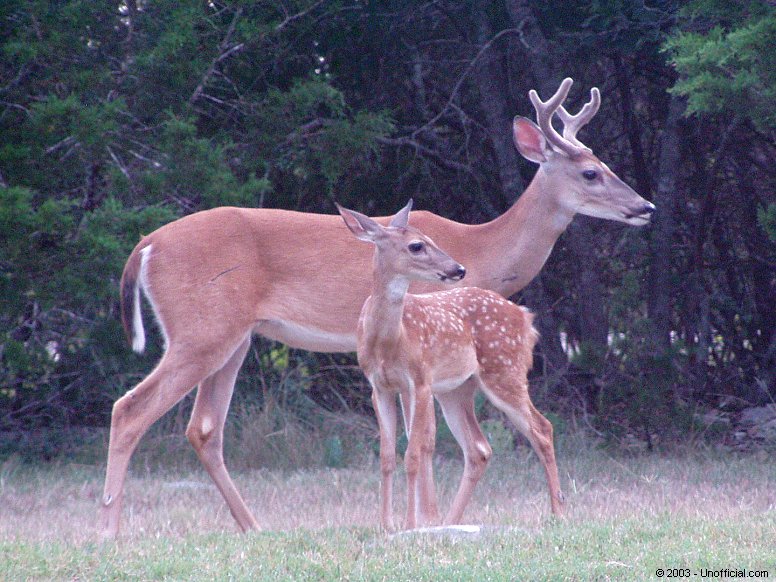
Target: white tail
[(138, 331), (133, 281), (446, 344), (216, 277)]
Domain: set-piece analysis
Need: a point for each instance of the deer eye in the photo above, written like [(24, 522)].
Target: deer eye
[(416, 247), (590, 175)]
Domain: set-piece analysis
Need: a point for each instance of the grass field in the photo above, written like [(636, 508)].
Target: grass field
[(627, 517)]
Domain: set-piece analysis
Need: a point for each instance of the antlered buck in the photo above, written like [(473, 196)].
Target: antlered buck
[(447, 345), (216, 277)]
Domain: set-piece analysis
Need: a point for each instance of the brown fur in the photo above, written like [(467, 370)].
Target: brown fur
[(219, 275), (446, 344)]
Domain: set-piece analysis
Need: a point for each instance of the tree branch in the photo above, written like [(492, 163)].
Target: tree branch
[(438, 157), (289, 19), (118, 163), (224, 51), (462, 78)]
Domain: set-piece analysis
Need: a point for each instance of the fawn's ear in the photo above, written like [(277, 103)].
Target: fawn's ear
[(401, 218), (359, 224), (530, 140)]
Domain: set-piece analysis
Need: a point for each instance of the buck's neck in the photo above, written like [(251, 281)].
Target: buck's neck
[(516, 245)]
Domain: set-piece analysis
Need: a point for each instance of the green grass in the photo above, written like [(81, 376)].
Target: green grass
[(626, 517), (623, 549)]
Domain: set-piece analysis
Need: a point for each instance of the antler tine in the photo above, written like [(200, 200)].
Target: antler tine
[(573, 123), (544, 112)]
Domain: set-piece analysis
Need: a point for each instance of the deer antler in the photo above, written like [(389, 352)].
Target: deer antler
[(573, 123), (567, 143)]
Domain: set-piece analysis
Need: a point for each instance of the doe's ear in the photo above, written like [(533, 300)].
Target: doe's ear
[(359, 224), (401, 218), (530, 140)]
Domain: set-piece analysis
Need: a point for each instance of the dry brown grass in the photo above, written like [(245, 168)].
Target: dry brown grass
[(59, 502)]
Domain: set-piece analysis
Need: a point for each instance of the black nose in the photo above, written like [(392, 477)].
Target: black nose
[(459, 273), (649, 208)]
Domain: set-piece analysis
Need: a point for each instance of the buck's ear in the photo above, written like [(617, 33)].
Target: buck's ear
[(530, 140), (359, 224), (401, 218)]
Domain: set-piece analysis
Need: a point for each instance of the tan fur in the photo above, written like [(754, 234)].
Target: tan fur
[(445, 344), (216, 277)]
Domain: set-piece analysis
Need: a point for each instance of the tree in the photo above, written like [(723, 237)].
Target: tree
[(726, 74), (116, 120)]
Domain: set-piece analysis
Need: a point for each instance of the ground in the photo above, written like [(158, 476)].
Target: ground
[(694, 513)]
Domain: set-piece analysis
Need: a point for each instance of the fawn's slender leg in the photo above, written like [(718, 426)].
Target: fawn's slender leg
[(385, 408), (530, 422), (419, 437), (426, 505), (206, 433), (458, 408)]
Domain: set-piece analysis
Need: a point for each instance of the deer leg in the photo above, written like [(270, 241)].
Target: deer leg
[(206, 433), (132, 416), (426, 505), (542, 443), (458, 409), (384, 404), (537, 429), (419, 434)]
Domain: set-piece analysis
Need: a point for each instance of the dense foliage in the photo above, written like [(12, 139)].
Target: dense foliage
[(116, 118)]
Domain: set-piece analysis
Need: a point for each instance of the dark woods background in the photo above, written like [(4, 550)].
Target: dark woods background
[(118, 117)]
